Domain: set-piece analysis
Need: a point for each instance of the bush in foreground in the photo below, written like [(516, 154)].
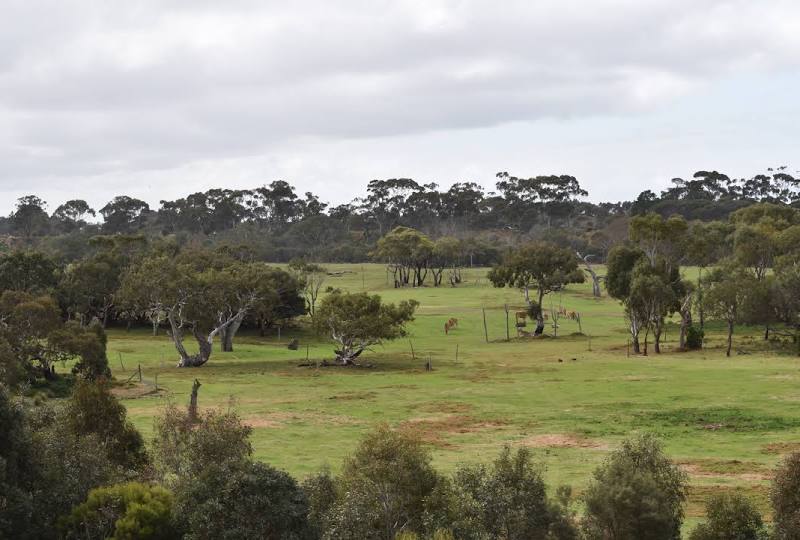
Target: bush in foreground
[(130, 511), (637, 494), (785, 496), (242, 500), (730, 517)]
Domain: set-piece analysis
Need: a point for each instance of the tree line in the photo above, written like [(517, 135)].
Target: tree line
[(278, 224), (78, 469)]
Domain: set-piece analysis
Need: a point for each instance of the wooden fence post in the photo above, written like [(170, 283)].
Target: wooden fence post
[(508, 336), (413, 356), (140, 372), (485, 330)]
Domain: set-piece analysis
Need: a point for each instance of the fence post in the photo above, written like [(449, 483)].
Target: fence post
[(413, 356), (140, 372), (485, 330), (120, 361), (456, 353), (508, 336)]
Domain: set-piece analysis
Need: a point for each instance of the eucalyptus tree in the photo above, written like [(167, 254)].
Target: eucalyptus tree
[(124, 214), (29, 217), (408, 253), (311, 277), (733, 294), (358, 321), (539, 266), (72, 214)]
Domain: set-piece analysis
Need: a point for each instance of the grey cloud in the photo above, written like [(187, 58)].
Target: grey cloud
[(92, 88)]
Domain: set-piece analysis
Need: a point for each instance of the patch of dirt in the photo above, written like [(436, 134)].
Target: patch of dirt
[(445, 407), (780, 448), (563, 440), (263, 423), (280, 419), (748, 471), (434, 429), (637, 378), (352, 396)]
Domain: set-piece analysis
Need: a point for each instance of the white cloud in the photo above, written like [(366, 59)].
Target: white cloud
[(116, 91)]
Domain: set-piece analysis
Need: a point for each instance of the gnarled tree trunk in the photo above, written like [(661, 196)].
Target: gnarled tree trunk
[(227, 333), (595, 278), (730, 338)]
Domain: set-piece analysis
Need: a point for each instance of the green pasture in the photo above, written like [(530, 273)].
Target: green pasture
[(570, 398)]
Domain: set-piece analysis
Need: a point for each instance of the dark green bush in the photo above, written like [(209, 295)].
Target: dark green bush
[(730, 517), (507, 500), (637, 494), (785, 497), (694, 338), (241, 501)]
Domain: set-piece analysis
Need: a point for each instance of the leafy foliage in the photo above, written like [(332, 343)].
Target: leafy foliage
[(122, 512), (242, 500), (785, 496), (636, 494), (356, 321), (730, 517), (384, 487), (183, 449)]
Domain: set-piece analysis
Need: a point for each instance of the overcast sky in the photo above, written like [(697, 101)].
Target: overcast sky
[(158, 99)]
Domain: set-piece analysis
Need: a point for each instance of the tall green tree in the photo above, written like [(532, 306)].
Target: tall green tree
[(734, 295), (358, 321), (539, 266), (29, 217)]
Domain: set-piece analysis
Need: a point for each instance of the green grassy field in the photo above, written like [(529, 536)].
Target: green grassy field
[(570, 399)]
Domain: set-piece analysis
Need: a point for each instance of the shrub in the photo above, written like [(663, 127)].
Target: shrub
[(130, 511), (384, 488), (320, 490), (183, 448), (730, 517), (785, 497), (694, 338), (636, 494), (507, 500), (242, 500), (92, 409)]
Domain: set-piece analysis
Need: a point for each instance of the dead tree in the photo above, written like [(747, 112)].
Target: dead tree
[(595, 278), (193, 402)]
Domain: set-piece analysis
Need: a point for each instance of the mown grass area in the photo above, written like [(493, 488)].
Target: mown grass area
[(571, 399)]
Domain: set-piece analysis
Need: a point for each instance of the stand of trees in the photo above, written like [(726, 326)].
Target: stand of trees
[(412, 257)]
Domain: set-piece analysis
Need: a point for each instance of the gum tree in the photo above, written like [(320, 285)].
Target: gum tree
[(541, 266), (358, 321)]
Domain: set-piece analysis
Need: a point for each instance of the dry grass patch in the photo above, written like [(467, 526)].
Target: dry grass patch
[(781, 448), (434, 430), (451, 407), (354, 396), (281, 419), (745, 471), (563, 440)]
